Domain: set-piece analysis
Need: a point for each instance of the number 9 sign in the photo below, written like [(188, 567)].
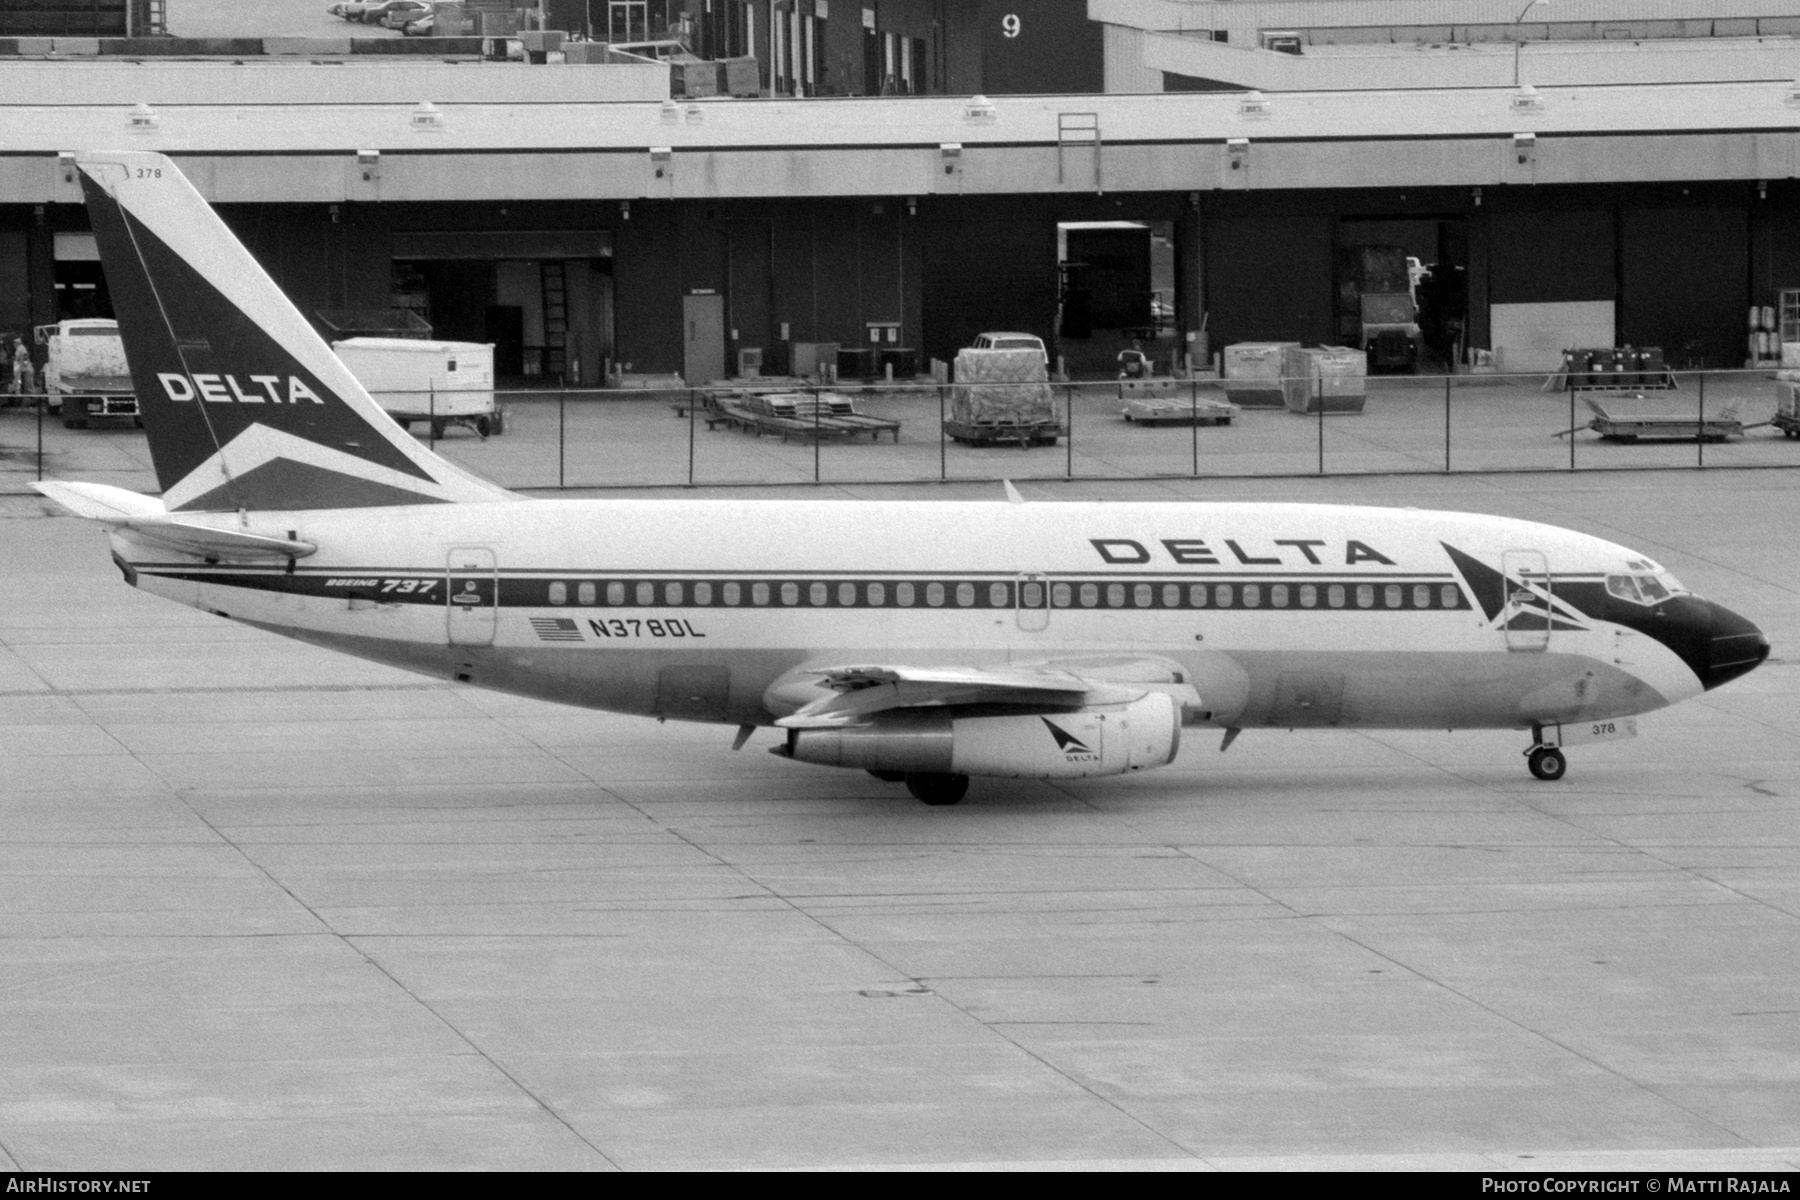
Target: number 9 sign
[(1010, 25)]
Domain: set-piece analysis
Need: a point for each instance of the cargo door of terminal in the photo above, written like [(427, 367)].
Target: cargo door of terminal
[(1116, 294), (1401, 291), (542, 298)]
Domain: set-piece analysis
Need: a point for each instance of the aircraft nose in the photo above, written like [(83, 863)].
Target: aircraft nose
[(1737, 647)]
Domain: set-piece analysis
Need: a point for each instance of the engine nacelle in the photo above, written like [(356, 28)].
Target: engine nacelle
[(1107, 739)]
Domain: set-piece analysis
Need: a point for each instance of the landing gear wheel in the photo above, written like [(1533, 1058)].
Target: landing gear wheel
[(483, 427), (1546, 762), (937, 789)]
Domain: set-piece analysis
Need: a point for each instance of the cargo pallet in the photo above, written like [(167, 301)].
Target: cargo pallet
[(1026, 434)]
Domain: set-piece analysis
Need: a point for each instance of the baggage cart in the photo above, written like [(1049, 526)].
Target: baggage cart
[(1614, 425), (1164, 402)]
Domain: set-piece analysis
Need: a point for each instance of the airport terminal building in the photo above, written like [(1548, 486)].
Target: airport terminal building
[(1568, 186)]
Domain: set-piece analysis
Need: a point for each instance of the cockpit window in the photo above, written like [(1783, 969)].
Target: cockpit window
[(1642, 589)]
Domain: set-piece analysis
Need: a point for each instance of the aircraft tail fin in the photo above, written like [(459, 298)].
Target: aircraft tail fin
[(243, 403)]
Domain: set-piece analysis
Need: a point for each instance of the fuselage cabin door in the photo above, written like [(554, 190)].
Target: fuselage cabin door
[(472, 601), (1528, 610), (1032, 594)]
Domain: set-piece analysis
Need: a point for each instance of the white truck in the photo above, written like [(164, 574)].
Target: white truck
[(85, 373), (443, 383)]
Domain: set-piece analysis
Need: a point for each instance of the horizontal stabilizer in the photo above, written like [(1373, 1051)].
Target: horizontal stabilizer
[(145, 517)]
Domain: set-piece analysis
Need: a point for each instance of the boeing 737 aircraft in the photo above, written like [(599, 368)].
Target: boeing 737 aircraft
[(922, 642)]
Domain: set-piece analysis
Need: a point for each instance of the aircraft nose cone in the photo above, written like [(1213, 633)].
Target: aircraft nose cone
[(1737, 648)]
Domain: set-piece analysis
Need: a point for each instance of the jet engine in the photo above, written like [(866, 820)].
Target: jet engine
[(1102, 739)]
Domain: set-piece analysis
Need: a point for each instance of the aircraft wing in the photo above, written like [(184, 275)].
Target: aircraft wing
[(858, 691), (145, 517)]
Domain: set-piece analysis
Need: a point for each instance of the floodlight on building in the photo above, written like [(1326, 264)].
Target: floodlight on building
[(427, 118), (624, 210), (369, 161), (65, 166), (1525, 147), (143, 119), (696, 113), (1238, 151), (980, 110), (950, 154), (671, 112), (662, 160), (1253, 104), (1527, 100)]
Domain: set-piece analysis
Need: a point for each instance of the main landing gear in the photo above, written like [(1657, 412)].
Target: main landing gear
[(1546, 762)]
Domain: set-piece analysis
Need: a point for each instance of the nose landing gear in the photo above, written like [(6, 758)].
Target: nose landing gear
[(1546, 762)]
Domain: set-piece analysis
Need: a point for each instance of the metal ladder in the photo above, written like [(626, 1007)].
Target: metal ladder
[(556, 318), (1078, 130)]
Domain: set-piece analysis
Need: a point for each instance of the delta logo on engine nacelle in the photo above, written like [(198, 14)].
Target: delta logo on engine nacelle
[(225, 389)]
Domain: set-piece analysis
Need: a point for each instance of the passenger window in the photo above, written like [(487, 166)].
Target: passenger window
[(615, 593), (1141, 597), (934, 594), (559, 593), (1115, 595), (818, 595), (1222, 595), (1365, 595), (1278, 595), (997, 595), (1309, 596), (584, 593), (903, 595), (672, 593), (847, 594), (1032, 595), (1421, 595), (646, 593), (1334, 595), (1171, 595), (1197, 595), (1060, 595), (1090, 595), (734, 593), (965, 595), (759, 593), (1393, 595), (790, 593), (703, 593), (877, 595), (1449, 595)]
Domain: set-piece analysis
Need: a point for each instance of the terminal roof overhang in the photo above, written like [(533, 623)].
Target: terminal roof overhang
[(928, 145)]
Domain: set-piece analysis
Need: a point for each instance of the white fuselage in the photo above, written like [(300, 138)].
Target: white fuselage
[(1278, 615)]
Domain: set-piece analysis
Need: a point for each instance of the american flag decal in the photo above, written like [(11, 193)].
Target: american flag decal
[(556, 629)]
